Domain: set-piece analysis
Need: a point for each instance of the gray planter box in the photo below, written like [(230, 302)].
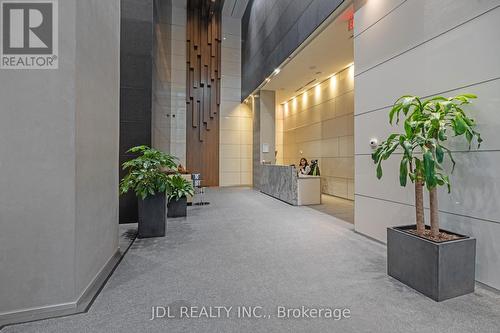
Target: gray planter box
[(437, 270), (177, 208), (152, 216)]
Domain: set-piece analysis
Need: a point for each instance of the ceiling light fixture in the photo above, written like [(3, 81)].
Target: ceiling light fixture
[(277, 71)]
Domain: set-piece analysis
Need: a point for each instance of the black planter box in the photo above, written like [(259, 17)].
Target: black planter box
[(177, 208), (152, 216), (437, 270)]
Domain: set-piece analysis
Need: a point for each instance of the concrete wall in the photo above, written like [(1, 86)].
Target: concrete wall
[(263, 107), (272, 30), (178, 81), (97, 136), (319, 124), (58, 175), (37, 201), (169, 78), (162, 75), (267, 132), (235, 157), (426, 48), (278, 140), (254, 103)]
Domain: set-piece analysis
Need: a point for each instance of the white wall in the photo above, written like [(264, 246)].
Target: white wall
[(235, 159), (426, 47), (58, 166)]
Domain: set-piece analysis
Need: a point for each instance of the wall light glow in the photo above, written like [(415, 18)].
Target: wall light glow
[(304, 98), (317, 90), (333, 80)]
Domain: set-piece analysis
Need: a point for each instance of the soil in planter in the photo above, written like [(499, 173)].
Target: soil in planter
[(442, 236)]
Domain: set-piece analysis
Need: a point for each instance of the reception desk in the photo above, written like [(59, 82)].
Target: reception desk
[(282, 182)]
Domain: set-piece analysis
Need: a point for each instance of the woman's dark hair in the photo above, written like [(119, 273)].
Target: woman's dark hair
[(304, 160)]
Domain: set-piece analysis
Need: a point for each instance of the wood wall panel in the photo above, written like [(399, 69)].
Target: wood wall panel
[(203, 79)]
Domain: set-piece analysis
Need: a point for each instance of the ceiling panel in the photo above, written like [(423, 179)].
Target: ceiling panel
[(234, 8)]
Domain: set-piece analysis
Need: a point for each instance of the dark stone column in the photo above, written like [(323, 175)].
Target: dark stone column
[(135, 87)]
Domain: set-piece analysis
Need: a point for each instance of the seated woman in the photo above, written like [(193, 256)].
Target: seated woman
[(304, 168)]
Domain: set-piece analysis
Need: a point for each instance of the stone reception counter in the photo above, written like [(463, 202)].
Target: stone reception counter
[(282, 182)]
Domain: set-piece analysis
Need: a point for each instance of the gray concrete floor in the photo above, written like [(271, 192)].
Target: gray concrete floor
[(337, 207), (248, 249), (127, 233)]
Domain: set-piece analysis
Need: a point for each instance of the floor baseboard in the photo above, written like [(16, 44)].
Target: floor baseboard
[(82, 304)]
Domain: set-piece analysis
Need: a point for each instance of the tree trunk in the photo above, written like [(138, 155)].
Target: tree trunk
[(433, 201), (419, 206)]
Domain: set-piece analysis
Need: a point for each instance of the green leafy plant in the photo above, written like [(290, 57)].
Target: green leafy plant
[(178, 187), (145, 172), (427, 126)]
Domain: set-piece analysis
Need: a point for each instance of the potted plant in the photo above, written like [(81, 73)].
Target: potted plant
[(146, 178), (178, 189), (436, 262)]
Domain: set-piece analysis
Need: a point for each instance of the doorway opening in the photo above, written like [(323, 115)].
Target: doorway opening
[(315, 111)]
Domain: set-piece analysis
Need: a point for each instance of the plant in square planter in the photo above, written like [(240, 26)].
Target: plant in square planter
[(146, 177), (178, 189), (436, 262)]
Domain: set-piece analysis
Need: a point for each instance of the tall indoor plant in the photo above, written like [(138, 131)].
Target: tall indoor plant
[(427, 126), (146, 178)]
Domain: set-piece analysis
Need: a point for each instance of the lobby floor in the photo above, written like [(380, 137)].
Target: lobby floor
[(247, 249), (337, 207)]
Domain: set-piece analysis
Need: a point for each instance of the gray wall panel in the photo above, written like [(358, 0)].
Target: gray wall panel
[(58, 175), (272, 30), (391, 39)]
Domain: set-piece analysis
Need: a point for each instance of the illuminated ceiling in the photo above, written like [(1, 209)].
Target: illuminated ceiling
[(329, 52)]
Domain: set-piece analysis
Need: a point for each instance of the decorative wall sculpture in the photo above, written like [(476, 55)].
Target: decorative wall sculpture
[(203, 88)]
